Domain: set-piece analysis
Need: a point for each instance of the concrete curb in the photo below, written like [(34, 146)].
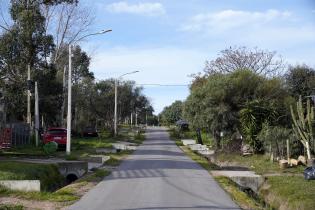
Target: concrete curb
[(22, 185)]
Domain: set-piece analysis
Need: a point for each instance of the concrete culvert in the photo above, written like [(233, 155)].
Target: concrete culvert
[(71, 178)]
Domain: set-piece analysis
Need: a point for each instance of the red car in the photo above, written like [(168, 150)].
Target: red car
[(58, 135)]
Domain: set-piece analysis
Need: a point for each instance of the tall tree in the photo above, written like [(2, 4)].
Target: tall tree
[(171, 114), (217, 104), (300, 81), (26, 43), (259, 61)]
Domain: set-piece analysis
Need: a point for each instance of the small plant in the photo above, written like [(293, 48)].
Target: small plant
[(274, 139), (50, 148)]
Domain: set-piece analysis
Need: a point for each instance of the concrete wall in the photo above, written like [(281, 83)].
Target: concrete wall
[(22, 185)]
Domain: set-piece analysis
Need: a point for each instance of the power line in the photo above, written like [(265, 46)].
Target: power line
[(168, 85)]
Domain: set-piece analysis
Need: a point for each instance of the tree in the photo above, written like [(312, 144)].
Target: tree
[(171, 114), (259, 61), (67, 22), (24, 44), (252, 118), (217, 104), (300, 80)]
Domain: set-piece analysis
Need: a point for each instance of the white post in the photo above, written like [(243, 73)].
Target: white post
[(131, 119), (288, 150), (43, 122), (63, 96), (68, 147), (136, 118), (36, 114), (29, 96), (308, 150), (115, 111)]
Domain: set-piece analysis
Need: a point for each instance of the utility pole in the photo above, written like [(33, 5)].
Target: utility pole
[(36, 114), (29, 117), (136, 118), (69, 117), (115, 111), (68, 149), (131, 119), (63, 96)]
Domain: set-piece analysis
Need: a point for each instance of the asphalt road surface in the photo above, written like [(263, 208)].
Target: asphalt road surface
[(157, 176)]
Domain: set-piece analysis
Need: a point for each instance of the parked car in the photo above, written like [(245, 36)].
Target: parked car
[(90, 132), (58, 135)]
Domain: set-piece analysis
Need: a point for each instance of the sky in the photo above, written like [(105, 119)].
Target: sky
[(168, 40)]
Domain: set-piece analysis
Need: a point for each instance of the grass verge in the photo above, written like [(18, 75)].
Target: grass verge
[(39, 196), (289, 193), (261, 164), (11, 207), (240, 197)]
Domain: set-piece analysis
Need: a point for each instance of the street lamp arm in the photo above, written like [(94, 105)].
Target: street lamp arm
[(133, 72), (115, 111), (68, 143), (92, 34)]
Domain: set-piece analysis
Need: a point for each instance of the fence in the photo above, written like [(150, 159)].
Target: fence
[(15, 134)]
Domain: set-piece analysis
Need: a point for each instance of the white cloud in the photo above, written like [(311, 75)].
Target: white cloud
[(156, 66), (229, 19), (146, 9), (271, 29)]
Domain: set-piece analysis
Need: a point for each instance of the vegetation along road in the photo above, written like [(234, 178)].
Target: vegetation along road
[(157, 176)]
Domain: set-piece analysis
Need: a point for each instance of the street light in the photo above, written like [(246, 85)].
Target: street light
[(115, 111), (68, 147)]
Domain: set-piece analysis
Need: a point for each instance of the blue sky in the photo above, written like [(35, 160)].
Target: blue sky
[(167, 40)]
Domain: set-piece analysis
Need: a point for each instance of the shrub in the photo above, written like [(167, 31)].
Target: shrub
[(50, 147)]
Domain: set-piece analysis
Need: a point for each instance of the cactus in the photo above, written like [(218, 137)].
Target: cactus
[(302, 124)]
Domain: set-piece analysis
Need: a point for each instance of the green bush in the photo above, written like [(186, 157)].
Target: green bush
[(50, 148), (274, 140)]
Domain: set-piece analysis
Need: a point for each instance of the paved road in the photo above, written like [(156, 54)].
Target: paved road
[(157, 176)]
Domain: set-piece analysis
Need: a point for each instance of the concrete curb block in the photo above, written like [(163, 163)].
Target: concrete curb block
[(97, 158), (245, 179), (197, 147), (105, 150), (22, 185), (122, 146), (188, 142)]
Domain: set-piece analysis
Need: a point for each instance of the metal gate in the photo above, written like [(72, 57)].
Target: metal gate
[(15, 134)]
